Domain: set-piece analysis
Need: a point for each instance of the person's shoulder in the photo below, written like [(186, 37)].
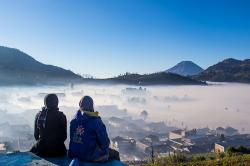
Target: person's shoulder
[(73, 122), (74, 119), (61, 113), (62, 116), (95, 118), (98, 120), (38, 113)]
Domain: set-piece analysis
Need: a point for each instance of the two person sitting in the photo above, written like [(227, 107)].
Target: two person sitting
[(89, 140)]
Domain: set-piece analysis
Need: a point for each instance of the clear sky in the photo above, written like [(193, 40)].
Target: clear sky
[(108, 37)]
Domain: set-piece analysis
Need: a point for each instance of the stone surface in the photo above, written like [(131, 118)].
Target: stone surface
[(27, 158)]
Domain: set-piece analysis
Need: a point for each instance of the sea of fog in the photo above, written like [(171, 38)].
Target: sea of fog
[(218, 104)]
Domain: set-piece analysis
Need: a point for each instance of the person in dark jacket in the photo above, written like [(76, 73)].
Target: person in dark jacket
[(89, 140), (50, 130)]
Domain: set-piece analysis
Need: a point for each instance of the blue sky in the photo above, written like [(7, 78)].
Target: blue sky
[(108, 37)]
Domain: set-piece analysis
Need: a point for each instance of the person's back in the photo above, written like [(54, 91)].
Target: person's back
[(88, 136), (50, 130)]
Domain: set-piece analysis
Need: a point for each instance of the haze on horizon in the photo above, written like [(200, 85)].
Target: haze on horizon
[(107, 38), (219, 104)]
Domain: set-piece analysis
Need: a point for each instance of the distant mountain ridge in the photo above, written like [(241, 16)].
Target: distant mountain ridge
[(228, 70), (17, 67), (185, 68), (160, 78)]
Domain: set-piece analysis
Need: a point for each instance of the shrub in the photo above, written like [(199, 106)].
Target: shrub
[(240, 160), (173, 159), (199, 158), (221, 155), (243, 150), (231, 151), (211, 157)]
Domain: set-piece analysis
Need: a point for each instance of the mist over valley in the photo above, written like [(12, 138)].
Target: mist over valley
[(190, 107)]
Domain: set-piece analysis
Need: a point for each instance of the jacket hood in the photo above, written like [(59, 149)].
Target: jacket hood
[(85, 115)]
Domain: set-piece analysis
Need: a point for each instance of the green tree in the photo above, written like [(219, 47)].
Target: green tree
[(231, 151)]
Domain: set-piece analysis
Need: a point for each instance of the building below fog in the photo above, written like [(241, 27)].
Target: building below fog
[(178, 134), (232, 141), (228, 131), (137, 139), (3, 148), (124, 145)]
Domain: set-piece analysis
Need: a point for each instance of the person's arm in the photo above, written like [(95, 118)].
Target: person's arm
[(102, 135), (36, 129)]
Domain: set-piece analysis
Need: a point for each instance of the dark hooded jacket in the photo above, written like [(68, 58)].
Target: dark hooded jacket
[(50, 129)]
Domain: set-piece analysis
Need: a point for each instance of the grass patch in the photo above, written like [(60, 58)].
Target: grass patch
[(203, 160)]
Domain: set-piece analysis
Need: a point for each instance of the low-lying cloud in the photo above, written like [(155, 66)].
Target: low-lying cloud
[(180, 106)]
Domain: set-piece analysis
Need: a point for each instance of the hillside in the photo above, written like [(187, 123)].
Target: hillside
[(16, 67), (241, 160), (161, 78), (229, 70), (185, 68), (203, 159)]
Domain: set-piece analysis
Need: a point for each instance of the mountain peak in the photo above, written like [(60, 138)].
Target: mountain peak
[(185, 68), (186, 62), (231, 61)]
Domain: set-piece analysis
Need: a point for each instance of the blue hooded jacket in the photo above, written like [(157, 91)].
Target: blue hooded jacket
[(88, 138)]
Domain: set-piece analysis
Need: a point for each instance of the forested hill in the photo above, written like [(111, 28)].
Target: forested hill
[(16, 67), (229, 70), (160, 78)]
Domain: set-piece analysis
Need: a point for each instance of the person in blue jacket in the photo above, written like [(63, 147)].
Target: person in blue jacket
[(89, 140)]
